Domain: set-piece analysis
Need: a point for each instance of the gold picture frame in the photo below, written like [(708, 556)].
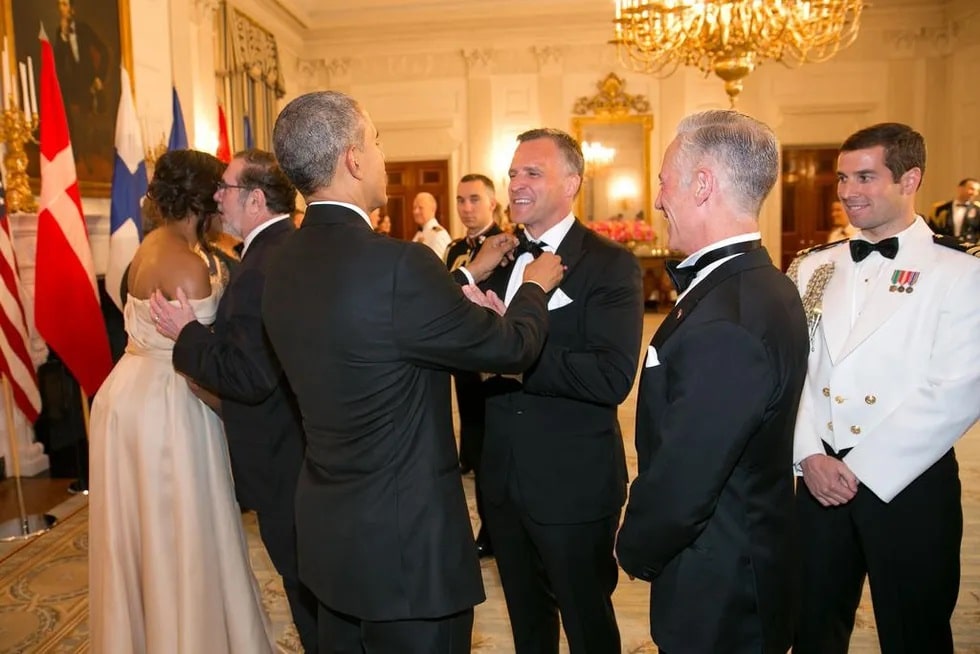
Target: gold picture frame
[(614, 117), (100, 40)]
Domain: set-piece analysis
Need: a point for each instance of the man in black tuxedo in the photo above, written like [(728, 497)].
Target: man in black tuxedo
[(553, 470), (475, 204), (367, 329), (709, 520), (234, 361), (959, 217)]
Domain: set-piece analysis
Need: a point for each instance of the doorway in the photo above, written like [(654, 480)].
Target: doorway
[(809, 186), (408, 178)]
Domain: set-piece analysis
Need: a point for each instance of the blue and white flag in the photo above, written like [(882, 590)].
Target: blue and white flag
[(178, 133), (128, 189), (249, 141)]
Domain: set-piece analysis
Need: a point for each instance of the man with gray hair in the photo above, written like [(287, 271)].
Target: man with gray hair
[(711, 510), (366, 328)]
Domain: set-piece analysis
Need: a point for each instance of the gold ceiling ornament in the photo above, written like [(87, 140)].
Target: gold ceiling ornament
[(611, 100), (731, 37)]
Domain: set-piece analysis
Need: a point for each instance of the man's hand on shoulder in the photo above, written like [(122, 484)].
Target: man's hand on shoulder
[(493, 253), (830, 481), (170, 320)]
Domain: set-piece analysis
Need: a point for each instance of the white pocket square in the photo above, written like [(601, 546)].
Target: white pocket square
[(652, 359), (558, 300)]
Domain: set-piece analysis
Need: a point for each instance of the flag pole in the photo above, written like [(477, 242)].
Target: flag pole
[(80, 485), (26, 525)]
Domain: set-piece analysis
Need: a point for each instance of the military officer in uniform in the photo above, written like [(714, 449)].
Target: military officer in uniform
[(430, 231), (892, 383), (960, 217), (475, 203)]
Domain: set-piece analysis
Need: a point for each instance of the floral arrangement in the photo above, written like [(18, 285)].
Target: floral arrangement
[(624, 231)]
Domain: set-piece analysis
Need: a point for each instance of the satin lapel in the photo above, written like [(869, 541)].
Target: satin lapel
[(571, 246), (689, 302), (836, 304), (570, 250), (917, 254)]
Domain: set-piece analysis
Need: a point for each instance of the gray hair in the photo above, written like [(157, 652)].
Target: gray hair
[(744, 148), (311, 133)]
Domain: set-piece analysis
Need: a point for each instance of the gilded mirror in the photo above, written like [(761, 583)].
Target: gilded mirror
[(614, 129)]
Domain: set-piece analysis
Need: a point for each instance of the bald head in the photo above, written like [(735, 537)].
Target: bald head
[(424, 208)]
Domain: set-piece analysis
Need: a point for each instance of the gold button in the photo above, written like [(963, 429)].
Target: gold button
[(839, 399), (855, 429), (870, 399), (826, 392), (830, 426)]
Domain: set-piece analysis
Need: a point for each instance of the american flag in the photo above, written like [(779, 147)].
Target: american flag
[(15, 359)]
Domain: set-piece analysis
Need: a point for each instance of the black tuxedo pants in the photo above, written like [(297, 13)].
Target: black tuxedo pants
[(278, 532), (345, 634), (547, 570), (910, 550)]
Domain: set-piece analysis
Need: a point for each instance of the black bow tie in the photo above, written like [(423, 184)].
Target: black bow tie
[(524, 244), (860, 249), (682, 277)]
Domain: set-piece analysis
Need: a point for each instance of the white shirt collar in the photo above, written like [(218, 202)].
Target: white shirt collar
[(556, 234), (704, 272), (741, 238), (255, 232)]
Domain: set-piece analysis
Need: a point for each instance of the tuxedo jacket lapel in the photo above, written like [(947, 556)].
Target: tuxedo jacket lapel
[(686, 306)]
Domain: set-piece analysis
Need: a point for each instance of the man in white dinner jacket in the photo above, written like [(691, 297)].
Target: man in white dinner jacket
[(893, 382)]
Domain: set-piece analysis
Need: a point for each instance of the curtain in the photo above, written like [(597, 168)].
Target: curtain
[(248, 77)]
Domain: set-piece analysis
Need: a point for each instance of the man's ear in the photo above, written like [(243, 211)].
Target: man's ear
[(909, 182), (572, 185), (704, 185), (352, 162)]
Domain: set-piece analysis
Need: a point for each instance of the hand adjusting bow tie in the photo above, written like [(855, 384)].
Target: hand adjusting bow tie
[(524, 244), (682, 277), (860, 249)]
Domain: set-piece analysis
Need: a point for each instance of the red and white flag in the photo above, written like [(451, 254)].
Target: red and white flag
[(15, 358), (66, 302), (223, 153)]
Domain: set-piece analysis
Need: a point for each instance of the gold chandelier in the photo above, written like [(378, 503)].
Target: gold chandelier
[(731, 37)]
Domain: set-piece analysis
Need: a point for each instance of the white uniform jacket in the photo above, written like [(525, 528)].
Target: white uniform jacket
[(435, 236), (902, 385)]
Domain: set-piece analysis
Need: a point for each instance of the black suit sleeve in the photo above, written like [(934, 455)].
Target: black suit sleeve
[(603, 369), (435, 325), (237, 364), (721, 379)]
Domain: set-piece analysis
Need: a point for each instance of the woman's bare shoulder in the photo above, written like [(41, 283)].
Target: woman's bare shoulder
[(168, 264)]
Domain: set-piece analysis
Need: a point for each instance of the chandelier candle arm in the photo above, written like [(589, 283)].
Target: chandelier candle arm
[(731, 37)]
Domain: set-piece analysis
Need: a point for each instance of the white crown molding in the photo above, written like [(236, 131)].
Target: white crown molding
[(478, 61)]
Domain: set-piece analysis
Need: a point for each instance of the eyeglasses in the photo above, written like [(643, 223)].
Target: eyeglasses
[(222, 185)]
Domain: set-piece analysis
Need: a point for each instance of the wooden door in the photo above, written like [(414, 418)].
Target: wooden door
[(809, 186), (405, 180)]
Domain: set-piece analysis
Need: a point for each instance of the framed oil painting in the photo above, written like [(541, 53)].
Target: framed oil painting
[(90, 39)]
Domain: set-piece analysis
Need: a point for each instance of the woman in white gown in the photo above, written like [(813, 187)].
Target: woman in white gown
[(169, 570)]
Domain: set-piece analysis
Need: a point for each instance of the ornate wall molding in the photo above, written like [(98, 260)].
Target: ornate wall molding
[(310, 72), (478, 61), (549, 58), (938, 41)]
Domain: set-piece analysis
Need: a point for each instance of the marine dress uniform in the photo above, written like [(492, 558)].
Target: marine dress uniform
[(893, 382)]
